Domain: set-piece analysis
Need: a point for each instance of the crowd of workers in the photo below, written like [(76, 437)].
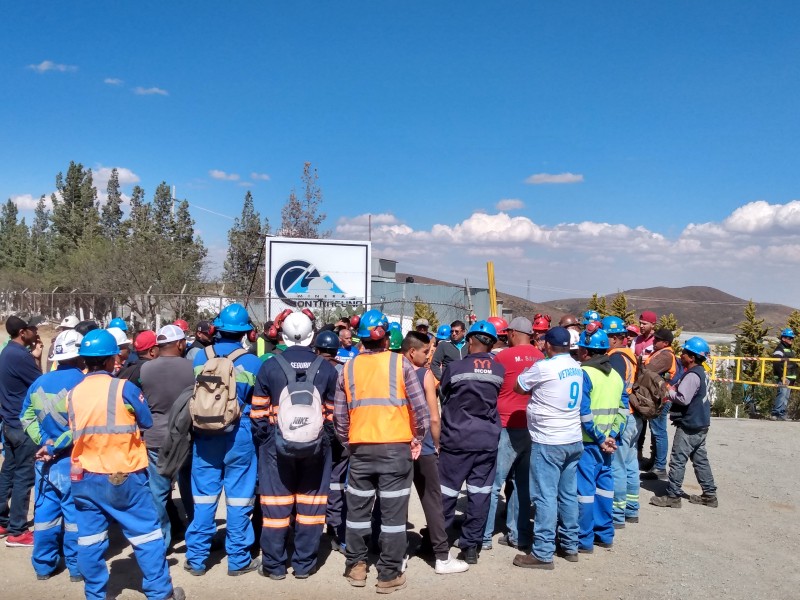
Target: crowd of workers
[(310, 426)]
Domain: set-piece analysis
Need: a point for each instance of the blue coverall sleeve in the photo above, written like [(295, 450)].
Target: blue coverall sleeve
[(587, 419), (132, 396)]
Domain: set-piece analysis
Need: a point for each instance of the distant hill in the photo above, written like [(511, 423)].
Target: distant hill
[(697, 308)]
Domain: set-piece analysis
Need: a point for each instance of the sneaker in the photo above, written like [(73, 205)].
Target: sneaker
[(253, 566), (666, 501), (196, 572), (300, 575), (568, 556), (528, 561), (357, 574), (3, 532), (177, 594), (631, 519), (451, 565), (23, 540), (404, 566), (705, 500), (387, 587), (486, 545), (654, 474), (469, 555), (273, 576)]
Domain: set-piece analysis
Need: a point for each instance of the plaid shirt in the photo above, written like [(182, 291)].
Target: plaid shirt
[(416, 399)]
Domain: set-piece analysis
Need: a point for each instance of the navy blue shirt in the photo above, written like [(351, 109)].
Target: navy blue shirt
[(18, 371), (470, 386)]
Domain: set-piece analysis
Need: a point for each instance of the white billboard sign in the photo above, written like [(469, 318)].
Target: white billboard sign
[(315, 274)]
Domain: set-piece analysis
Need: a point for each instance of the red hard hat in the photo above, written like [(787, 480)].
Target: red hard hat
[(354, 321), (541, 323), (182, 324), (500, 324)]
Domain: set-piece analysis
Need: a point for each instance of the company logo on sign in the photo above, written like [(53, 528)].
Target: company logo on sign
[(299, 283)]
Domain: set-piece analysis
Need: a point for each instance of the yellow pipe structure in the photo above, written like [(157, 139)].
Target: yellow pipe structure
[(761, 375), (492, 289)]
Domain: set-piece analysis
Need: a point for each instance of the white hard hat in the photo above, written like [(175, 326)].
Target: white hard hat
[(119, 336), (67, 345), (69, 322), (297, 330), (574, 337)]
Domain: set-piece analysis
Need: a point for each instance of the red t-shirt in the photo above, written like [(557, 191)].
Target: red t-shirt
[(510, 405)]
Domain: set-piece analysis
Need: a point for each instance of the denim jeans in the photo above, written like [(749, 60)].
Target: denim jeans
[(16, 479), (161, 488), (781, 401), (625, 468), (554, 490), (513, 453), (690, 445), (658, 428)]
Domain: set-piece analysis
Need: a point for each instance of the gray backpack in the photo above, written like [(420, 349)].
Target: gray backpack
[(300, 422)]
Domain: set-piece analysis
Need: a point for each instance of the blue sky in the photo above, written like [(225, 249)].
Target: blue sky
[(639, 119)]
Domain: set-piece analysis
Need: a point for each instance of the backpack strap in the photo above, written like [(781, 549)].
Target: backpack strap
[(210, 352), (311, 372), (239, 352), (291, 374)]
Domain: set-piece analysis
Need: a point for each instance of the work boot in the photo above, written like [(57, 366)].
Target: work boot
[(469, 555), (619, 525), (451, 565), (253, 566), (196, 572), (273, 576), (666, 501), (387, 587), (528, 561), (631, 519), (177, 594), (705, 500), (606, 545), (356, 574), (568, 556)]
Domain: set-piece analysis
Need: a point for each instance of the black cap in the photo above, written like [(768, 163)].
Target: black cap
[(558, 337), (664, 334), (204, 327), (14, 325)]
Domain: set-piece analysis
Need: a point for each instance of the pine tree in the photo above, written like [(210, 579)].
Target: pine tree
[(598, 303), (670, 322), (138, 223), (74, 207), (750, 343), (245, 239), (423, 310), (793, 323), (162, 220), (301, 217), (40, 254), (111, 212), (620, 308)]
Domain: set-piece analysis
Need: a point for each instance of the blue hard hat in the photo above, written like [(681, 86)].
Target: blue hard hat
[(395, 326), (370, 320), (233, 319), (483, 327), (597, 340), (590, 316), (117, 322), (614, 325), (327, 340), (697, 346), (443, 333), (98, 342), (788, 332)]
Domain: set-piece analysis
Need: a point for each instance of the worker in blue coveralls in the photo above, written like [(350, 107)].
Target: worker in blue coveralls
[(226, 460), (44, 418), (604, 412)]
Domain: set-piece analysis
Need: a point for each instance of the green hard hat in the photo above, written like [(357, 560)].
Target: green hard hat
[(395, 339)]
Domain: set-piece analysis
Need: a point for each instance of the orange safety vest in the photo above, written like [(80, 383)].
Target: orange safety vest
[(105, 436), (377, 399), (669, 375), (630, 368)]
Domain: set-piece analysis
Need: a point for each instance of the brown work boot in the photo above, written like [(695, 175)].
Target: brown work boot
[(666, 501), (357, 574), (387, 587), (705, 500)]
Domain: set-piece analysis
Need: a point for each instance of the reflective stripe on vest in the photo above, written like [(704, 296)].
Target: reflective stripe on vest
[(105, 436), (376, 399), (606, 401)]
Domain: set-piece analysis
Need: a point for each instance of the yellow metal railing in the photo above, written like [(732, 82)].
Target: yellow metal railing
[(763, 375)]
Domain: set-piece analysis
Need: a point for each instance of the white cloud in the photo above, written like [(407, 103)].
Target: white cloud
[(49, 65), (541, 178), (259, 176), (101, 175), (28, 201), (223, 176), (113, 81), (507, 204), (151, 91)]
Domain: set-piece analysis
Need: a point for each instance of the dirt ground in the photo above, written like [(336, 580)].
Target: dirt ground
[(749, 547)]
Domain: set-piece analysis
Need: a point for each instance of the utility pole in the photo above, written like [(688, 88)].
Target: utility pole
[(528, 293), (469, 296)]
